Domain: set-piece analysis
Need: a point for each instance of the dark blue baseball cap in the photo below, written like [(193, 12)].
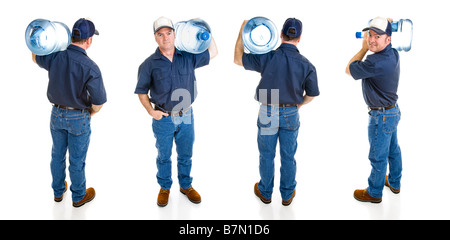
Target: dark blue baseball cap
[(85, 27), (292, 27)]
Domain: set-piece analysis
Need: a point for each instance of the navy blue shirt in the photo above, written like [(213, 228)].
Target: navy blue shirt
[(162, 78), (380, 73), (284, 69), (74, 79)]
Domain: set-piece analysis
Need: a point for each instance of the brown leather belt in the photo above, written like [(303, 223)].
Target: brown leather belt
[(171, 113), (68, 108), (281, 105), (382, 108)]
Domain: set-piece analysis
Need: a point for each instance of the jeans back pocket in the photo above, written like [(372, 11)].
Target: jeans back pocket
[(390, 122)]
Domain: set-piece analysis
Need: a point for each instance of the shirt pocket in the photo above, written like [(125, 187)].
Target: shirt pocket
[(186, 80), (162, 83)]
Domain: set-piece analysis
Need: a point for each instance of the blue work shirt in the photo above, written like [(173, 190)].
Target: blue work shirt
[(284, 69), (170, 83), (380, 73), (74, 79)]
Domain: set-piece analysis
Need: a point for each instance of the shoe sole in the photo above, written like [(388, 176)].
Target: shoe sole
[(62, 196), (81, 204), (262, 200), (196, 202), (386, 183), (161, 205), (371, 201), (288, 202), (392, 189)]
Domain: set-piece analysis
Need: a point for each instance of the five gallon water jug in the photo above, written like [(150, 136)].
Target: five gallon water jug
[(402, 34), (192, 36), (259, 35), (44, 37)]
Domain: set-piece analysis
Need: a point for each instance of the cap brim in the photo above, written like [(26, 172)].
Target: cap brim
[(156, 30), (96, 32), (377, 30)]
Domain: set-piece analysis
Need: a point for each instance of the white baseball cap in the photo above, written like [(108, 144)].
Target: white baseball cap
[(161, 23), (380, 25)]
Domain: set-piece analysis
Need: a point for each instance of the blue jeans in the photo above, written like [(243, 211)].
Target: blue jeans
[(181, 130), (384, 149), (277, 124), (71, 130)]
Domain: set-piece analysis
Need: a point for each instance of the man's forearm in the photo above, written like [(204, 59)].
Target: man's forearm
[(145, 101), (358, 57), (306, 99), (239, 47)]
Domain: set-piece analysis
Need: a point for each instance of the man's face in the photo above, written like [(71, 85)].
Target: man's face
[(165, 37), (377, 42)]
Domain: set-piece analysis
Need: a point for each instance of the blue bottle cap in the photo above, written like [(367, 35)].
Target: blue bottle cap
[(359, 35), (204, 36)]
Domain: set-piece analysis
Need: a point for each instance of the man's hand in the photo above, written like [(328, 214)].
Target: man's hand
[(95, 109), (365, 44), (360, 55), (157, 115)]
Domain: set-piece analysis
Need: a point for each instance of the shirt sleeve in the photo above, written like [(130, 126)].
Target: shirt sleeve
[(144, 79), (311, 83), (201, 59), (363, 69), (96, 88), (252, 62), (44, 61)]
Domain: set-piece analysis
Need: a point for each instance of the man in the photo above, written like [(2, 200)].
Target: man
[(169, 76), (77, 92), (286, 75), (380, 76)]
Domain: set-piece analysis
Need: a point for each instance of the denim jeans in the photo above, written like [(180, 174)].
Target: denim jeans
[(277, 124), (181, 130), (384, 149), (71, 130)]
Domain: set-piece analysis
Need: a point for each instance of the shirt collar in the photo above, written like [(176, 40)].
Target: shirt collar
[(76, 48), (159, 55), (387, 48), (289, 46)]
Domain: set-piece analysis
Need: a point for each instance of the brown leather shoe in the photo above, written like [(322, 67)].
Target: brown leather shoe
[(192, 195), (90, 195), (59, 199), (288, 202), (363, 196), (394, 190), (163, 197), (258, 194)]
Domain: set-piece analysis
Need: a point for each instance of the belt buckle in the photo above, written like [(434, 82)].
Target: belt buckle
[(180, 113), (177, 114)]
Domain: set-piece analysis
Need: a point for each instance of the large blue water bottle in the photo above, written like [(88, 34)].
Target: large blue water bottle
[(260, 35), (192, 36), (402, 34), (44, 37)]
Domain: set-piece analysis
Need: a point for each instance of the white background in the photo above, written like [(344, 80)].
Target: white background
[(333, 147)]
